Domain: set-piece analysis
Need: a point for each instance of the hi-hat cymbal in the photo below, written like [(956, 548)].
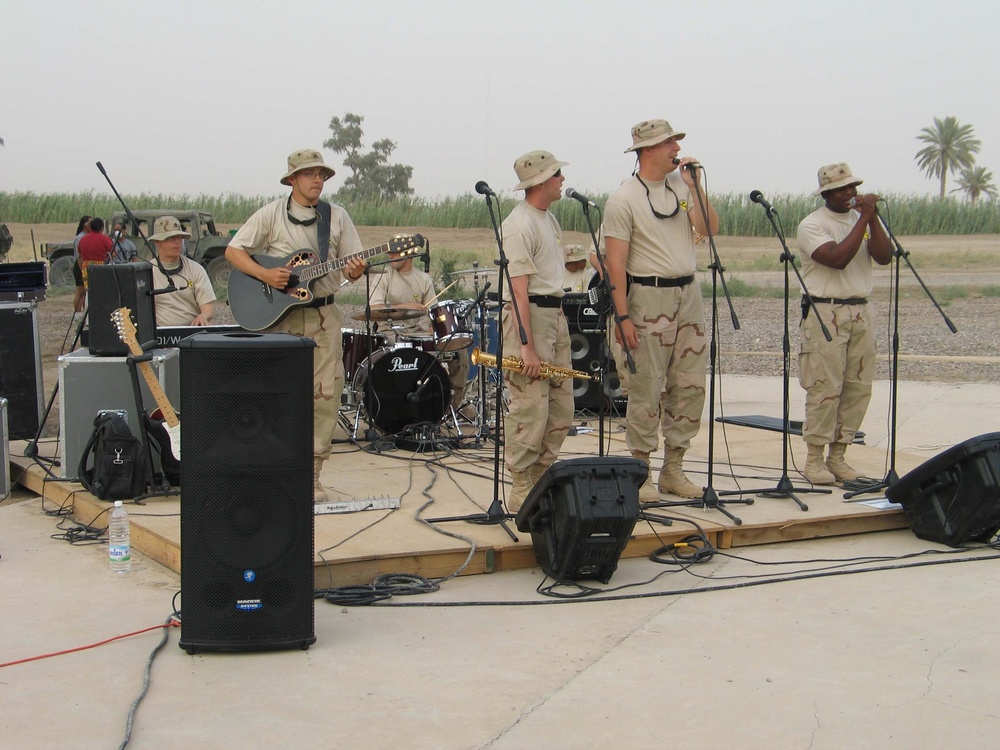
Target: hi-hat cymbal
[(388, 312), (477, 271)]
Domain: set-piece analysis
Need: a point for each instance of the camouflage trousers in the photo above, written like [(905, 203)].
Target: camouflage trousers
[(836, 375), (541, 410), (672, 359), (321, 324), (458, 375)]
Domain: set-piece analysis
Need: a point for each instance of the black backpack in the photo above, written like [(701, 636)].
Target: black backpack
[(119, 468)]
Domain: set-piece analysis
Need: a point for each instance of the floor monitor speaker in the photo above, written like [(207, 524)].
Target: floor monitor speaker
[(581, 514), (247, 509)]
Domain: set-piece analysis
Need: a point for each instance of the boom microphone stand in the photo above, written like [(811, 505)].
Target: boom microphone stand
[(891, 476)]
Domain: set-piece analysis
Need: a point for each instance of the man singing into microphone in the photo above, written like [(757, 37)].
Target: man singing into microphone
[(648, 225), (838, 244), (541, 409), (280, 228), (193, 302)]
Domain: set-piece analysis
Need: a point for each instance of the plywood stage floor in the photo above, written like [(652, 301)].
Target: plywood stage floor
[(356, 547)]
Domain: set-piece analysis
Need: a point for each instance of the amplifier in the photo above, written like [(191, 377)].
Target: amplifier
[(22, 281), (21, 368), (580, 313), (173, 335)]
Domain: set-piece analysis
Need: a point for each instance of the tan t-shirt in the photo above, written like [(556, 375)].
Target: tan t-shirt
[(183, 306), (395, 288), (656, 247), (820, 227), (269, 232), (532, 240), (578, 281)]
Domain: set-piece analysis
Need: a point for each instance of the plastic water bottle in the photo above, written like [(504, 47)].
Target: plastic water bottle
[(119, 548)]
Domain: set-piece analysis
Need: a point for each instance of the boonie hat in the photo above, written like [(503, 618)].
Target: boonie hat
[(536, 167), (651, 132), (834, 176), (573, 253), (306, 158), (166, 227)]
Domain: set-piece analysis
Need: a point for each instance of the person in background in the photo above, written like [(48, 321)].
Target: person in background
[(123, 249), (79, 292), (95, 247), (577, 271), (193, 304)]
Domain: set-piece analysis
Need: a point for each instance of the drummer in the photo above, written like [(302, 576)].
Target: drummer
[(577, 271), (407, 287)]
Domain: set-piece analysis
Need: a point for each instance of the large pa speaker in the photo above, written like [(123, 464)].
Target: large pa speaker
[(21, 368), (247, 507), (587, 350), (954, 497), (113, 286), (581, 515)]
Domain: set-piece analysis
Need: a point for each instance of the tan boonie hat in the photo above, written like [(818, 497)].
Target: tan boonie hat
[(306, 158), (536, 167), (834, 176), (573, 253), (166, 227), (651, 132)]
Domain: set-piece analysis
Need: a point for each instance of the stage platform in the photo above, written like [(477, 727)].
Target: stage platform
[(433, 482)]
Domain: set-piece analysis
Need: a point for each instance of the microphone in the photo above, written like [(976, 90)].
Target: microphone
[(571, 193), (483, 189), (757, 197), (415, 395), (690, 166)]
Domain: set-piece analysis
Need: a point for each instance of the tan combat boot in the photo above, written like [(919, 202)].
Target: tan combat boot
[(535, 473), (319, 493), (647, 491), (835, 462), (815, 470), (673, 480), (522, 487)]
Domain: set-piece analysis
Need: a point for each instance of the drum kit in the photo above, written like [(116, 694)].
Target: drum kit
[(398, 380)]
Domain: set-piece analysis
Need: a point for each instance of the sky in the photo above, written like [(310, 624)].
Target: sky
[(211, 96)]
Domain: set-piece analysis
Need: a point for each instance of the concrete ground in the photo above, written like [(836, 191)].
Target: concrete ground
[(903, 657)]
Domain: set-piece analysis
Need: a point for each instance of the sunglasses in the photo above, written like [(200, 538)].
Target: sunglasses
[(656, 213)]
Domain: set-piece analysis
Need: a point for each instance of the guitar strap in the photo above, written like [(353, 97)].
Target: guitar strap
[(323, 229)]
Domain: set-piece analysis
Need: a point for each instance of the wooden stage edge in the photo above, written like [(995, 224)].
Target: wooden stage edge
[(355, 548)]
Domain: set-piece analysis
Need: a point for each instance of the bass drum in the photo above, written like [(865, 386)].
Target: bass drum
[(407, 387)]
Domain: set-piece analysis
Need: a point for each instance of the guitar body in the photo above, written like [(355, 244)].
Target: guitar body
[(157, 430), (257, 305)]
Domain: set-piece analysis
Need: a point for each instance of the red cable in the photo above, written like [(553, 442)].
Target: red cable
[(171, 624)]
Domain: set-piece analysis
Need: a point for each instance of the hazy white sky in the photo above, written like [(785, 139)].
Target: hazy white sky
[(211, 95)]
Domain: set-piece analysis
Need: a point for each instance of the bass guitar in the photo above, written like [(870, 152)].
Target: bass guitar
[(257, 305)]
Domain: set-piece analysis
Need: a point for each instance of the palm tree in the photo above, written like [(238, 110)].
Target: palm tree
[(950, 146), (976, 182)]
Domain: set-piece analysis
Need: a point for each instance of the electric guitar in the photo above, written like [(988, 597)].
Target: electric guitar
[(257, 305), (170, 426)]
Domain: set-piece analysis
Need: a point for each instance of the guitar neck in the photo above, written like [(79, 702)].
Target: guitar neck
[(169, 415), (334, 264)]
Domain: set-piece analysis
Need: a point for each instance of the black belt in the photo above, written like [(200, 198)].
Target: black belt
[(838, 300), (660, 282), (545, 300), (321, 302)]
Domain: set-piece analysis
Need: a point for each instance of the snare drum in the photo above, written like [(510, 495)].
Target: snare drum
[(423, 343), (356, 349), (450, 329), (407, 386)]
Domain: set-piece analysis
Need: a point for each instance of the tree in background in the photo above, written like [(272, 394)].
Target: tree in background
[(976, 182), (372, 176), (950, 147)]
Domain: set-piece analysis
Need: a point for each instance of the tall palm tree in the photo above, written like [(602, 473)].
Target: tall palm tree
[(950, 146), (976, 182)]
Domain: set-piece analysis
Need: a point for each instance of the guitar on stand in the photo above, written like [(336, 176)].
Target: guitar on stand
[(257, 305), (162, 423)]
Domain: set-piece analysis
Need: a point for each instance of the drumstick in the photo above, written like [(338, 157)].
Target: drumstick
[(434, 298)]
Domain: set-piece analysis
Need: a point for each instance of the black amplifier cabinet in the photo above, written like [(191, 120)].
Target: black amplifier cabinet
[(173, 335), (21, 368), (22, 282)]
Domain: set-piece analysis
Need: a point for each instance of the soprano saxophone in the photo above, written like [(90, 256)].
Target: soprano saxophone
[(514, 364)]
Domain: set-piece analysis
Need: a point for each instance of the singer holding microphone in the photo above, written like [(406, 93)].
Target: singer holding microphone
[(192, 302), (650, 245), (838, 243)]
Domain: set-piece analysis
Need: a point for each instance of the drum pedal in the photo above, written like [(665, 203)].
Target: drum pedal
[(354, 506)]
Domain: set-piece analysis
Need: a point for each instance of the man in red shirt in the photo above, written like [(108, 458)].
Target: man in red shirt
[(95, 247)]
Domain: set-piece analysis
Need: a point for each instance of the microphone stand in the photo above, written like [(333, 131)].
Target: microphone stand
[(495, 514), (370, 434), (784, 487), (710, 498), (891, 476)]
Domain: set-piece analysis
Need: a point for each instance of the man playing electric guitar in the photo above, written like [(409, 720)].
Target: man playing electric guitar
[(281, 228)]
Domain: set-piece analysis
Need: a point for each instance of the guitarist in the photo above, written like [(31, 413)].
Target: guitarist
[(279, 228)]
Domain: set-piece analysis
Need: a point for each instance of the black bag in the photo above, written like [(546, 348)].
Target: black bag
[(119, 468)]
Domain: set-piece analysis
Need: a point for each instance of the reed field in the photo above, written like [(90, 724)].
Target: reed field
[(906, 214)]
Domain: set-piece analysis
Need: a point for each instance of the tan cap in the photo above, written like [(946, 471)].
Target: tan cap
[(166, 227), (536, 167), (651, 132), (306, 158), (573, 253), (834, 176)]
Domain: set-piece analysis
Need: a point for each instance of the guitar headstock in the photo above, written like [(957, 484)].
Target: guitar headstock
[(407, 244), (122, 318)]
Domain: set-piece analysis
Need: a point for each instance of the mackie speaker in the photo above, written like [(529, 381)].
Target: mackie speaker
[(114, 286), (581, 515), (21, 368), (587, 349), (247, 507), (954, 497)]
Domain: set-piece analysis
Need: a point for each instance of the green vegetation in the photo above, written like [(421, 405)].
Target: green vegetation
[(950, 147), (371, 173)]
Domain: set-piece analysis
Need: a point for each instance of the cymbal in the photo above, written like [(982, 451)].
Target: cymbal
[(477, 271), (388, 312)]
